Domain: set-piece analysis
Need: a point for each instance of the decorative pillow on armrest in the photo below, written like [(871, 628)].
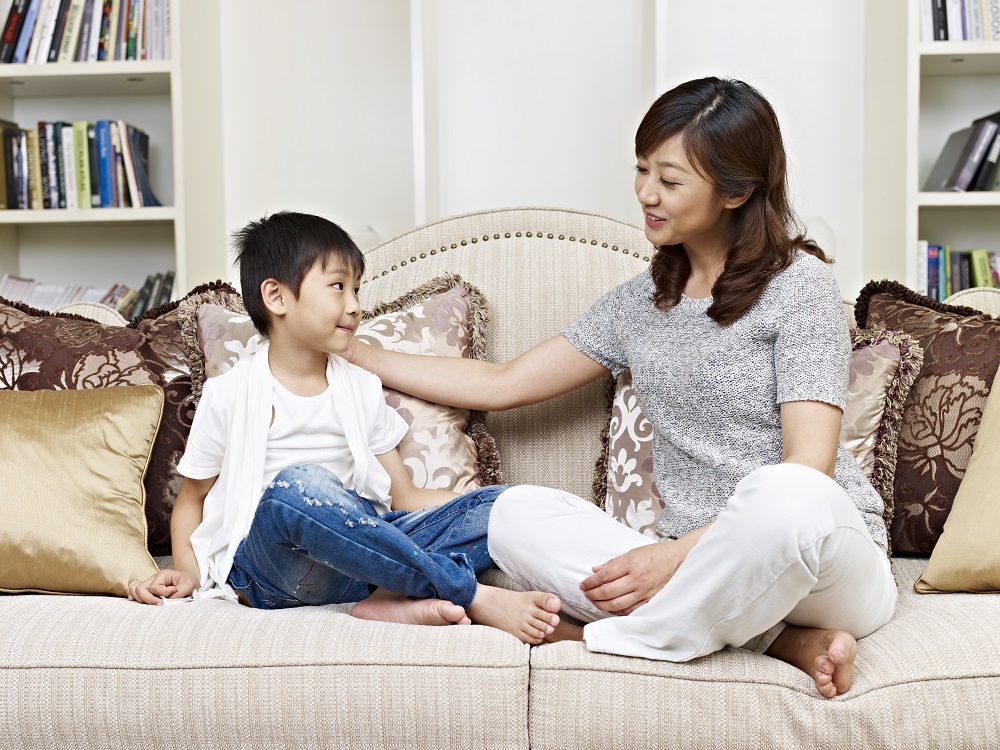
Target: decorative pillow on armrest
[(42, 350), (883, 367), (967, 555), (942, 414), (71, 466), (446, 448)]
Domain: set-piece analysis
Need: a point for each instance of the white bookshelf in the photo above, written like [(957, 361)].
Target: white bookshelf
[(178, 103), (917, 94)]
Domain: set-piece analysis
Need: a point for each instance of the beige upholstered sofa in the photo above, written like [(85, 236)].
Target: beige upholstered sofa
[(99, 672)]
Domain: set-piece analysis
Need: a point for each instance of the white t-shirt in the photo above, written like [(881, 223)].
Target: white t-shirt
[(305, 430)]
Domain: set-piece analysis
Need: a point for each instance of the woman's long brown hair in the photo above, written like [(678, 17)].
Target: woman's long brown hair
[(730, 134)]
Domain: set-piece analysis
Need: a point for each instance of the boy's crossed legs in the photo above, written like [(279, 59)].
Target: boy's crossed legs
[(313, 542)]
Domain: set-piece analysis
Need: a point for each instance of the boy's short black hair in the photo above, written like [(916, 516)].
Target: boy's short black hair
[(283, 247)]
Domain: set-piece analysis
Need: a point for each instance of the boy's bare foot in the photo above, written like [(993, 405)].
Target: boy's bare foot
[(825, 655), (565, 631), (387, 606), (527, 615)]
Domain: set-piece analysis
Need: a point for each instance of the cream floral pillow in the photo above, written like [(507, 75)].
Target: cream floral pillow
[(446, 447), (884, 365)]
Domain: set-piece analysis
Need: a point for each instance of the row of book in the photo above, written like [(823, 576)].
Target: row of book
[(45, 31), (130, 302), (959, 20), (942, 271), (75, 165), (969, 158)]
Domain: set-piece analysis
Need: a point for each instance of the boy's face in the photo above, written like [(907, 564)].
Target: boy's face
[(327, 311)]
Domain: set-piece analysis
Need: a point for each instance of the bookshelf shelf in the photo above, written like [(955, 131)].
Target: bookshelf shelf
[(160, 214), (132, 78), (958, 58), (958, 200)]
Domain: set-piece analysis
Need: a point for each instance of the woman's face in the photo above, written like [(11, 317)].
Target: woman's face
[(680, 206)]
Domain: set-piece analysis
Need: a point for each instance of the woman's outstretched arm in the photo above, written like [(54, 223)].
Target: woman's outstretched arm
[(547, 370)]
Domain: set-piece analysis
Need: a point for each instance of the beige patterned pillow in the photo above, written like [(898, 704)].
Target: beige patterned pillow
[(446, 447), (884, 365)]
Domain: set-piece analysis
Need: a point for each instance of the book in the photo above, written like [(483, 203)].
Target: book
[(992, 31), (154, 294), (984, 177), (106, 162), (168, 288), (12, 29), (120, 30), (138, 307), (964, 151), (36, 32), (86, 24), (104, 36), (50, 162), (27, 30), (956, 20), (96, 13), (5, 125), (921, 285), (93, 166), (67, 140), (953, 283), (995, 267), (133, 31), (15, 167), (81, 157), (71, 31), (48, 32), (58, 31), (939, 19), (122, 198), (60, 160), (933, 272), (972, 17), (981, 272), (128, 163), (34, 171), (140, 152)]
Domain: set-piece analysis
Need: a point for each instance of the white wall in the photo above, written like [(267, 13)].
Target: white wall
[(807, 58), (316, 112), (524, 102)]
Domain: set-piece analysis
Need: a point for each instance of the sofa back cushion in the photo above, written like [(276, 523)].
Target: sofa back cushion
[(539, 269)]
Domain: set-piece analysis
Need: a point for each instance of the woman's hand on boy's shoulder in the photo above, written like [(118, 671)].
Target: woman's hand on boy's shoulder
[(166, 584)]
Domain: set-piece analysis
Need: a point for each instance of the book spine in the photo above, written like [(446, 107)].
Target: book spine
[(58, 31), (8, 168), (93, 166), (141, 150), (125, 132), (27, 31), (104, 38), (34, 171), (926, 21), (36, 33), (993, 13), (984, 174), (106, 161), (132, 31), (48, 32), (954, 10), (86, 30), (68, 165), (995, 267), (12, 30), (53, 163), (939, 14), (980, 271), (4, 203), (43, 164), (168, 288), (921, 286), (933, 272), (973, 17), (118, 174), (973, 154), (81, 153), (121, 30), (96, 13), (71, 32)]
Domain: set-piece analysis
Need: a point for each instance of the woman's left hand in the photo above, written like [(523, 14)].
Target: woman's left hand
[(625, 583)]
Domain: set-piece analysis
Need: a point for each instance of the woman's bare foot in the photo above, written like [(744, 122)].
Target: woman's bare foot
[(387, 606), (527, 615), (565, 631), (825, 655)]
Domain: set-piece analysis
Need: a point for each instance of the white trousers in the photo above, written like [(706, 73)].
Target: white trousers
[(789, 548)]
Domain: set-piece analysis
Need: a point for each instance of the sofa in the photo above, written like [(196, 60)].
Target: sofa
[(101, 672)]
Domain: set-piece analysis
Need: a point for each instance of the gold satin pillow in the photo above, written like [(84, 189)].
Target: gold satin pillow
[(967, 554), (72, 518)]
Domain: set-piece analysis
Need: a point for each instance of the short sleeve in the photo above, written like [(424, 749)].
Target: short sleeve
[(387, 428), (206, 443), (812, 346), (597, 333)]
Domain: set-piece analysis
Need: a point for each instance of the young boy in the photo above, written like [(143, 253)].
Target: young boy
[(293, 490)]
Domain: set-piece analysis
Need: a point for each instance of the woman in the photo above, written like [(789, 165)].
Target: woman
[(739, 353)]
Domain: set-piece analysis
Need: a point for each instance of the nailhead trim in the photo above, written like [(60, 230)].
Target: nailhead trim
[(486, 238)]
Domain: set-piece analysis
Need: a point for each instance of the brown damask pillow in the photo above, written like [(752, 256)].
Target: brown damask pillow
[(942, 414), (42, 350)]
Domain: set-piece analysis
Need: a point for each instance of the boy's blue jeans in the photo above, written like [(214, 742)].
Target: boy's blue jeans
[(313, 542)]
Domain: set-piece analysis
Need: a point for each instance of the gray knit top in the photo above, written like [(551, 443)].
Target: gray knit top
[(712, 393)]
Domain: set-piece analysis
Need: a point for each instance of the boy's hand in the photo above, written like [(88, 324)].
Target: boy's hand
[(169, 584)]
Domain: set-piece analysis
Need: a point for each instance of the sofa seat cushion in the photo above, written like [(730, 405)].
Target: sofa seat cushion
[(101, 672), (938, 653)]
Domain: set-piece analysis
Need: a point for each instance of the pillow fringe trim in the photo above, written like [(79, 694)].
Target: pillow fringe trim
[(899, 291)]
